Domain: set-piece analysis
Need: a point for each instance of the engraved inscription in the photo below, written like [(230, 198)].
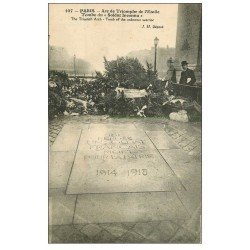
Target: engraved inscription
[(113, 172), (134, 172), (117, 159), (114, 146), (103, 172)]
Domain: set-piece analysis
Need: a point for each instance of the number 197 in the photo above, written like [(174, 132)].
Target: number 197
[(69, 10)]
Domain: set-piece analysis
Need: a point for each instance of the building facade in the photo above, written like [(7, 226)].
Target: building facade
[(188, 38)]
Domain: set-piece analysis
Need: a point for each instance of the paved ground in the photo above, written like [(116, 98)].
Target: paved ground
[(187, 136)]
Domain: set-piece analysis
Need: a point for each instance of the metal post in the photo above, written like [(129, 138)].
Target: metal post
[(155, 58), (75, 65), (156, 40), (48, 51)]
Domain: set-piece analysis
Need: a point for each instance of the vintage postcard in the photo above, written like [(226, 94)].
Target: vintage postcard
[(125, 115)]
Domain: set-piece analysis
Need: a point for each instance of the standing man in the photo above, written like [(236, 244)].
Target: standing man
[(187, 78), (171, 75)]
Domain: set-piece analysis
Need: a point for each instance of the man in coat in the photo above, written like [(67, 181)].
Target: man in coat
[(187, 75), (171, 75), (187, 78)]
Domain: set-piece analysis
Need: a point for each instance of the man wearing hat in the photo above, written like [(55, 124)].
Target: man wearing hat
[(187, 78), (187, 75), (171, 75)]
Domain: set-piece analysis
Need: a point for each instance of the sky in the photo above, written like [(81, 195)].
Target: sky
[(92, 40)]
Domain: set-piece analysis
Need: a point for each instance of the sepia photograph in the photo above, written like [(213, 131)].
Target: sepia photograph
[(125, 123)]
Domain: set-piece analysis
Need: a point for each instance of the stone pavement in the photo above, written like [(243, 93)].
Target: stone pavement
[(88, 212)]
